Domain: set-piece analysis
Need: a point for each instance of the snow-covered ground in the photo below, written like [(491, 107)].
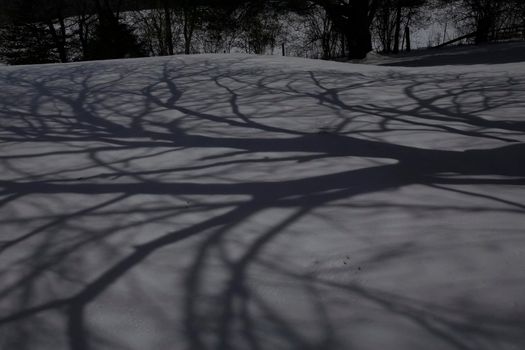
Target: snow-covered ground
[(248, 202), (493, 53)]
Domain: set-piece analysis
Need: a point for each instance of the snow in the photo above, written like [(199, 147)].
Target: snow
[(492, 53), (258, 202)]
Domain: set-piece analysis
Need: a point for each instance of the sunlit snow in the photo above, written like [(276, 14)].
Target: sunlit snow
[(252, 202)]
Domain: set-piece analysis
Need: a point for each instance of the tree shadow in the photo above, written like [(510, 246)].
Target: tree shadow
[(106, 169)]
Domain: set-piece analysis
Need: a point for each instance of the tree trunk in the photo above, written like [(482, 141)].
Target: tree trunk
[(387, 46), (358, 30), (487, 13), (189, 25), (83, 33), (483, 28), (168, 30), (63, 34), (58, 41), (397, 31), (343, 51), (407, 38), (325, 44), (523, 22)]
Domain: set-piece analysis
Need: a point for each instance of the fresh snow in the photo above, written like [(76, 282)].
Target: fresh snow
[(255, 202)]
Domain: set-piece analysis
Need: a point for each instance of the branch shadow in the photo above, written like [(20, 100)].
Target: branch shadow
[(105, 168)]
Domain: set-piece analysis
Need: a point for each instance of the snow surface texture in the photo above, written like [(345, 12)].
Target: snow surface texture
[(247, 202)]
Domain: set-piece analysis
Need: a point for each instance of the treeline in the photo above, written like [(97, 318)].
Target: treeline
[(41, 31)]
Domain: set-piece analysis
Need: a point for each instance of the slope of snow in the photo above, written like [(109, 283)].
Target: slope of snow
[(249, 202), (493, 53)]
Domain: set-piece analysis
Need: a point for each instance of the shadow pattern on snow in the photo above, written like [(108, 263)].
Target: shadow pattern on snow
[(99, 160)]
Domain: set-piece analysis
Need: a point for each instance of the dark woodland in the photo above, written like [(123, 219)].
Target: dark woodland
[(42, 31)]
